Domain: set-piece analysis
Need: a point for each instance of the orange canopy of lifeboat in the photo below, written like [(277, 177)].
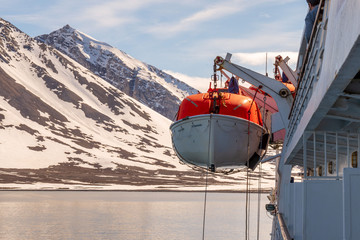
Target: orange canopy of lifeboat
[(231, 104)]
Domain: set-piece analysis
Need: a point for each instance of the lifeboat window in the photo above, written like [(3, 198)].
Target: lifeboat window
[(354, 159), (331, 167)]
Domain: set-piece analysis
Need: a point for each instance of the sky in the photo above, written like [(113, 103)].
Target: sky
[(180, 37)]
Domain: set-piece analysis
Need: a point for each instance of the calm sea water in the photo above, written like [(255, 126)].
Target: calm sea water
[(127, 215)]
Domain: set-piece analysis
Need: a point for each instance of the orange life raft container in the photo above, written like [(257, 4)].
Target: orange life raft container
[(220, 102), (219, 129)]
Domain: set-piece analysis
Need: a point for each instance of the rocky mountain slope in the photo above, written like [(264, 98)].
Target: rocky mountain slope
[(146, 83)]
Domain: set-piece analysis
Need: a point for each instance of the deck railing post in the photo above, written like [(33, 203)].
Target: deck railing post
[(314, 138), (348, 149), (358, 147), (325, 155), (305, 157), (337, 154)]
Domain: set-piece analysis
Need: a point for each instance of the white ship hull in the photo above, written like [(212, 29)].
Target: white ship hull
[(219, 140)]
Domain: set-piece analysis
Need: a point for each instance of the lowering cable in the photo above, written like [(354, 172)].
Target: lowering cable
[(205, 200), (210, 167), (260, 173), (247, 201), (259, 203)]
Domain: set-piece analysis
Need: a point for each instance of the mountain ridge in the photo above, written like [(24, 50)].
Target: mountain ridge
[(146, 83)]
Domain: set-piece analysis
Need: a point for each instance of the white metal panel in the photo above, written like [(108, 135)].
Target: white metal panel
[(342, 35), (298, 208), (351, 203), (290, 215), (276, 122), (323, 211)]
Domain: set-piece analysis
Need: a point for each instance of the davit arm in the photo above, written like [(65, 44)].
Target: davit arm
[(278, 91)]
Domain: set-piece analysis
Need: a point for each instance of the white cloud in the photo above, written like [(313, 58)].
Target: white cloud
[(199, 83), (113, 13), (208, 13), (248, 51), (265, 15), (259, 58), (260, 40), (88, 14)]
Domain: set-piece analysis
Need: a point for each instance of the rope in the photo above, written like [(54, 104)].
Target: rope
[(260, 176), (206, 185), (247, 201), (205, 200), (259, 200)]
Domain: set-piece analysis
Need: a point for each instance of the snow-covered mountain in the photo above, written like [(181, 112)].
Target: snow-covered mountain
[(149, 85), (54, 112)]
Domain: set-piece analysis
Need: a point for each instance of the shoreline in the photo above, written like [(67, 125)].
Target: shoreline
[(121, 190)]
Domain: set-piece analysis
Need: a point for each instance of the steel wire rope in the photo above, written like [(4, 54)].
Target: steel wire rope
[(206, 180), (247, 204), (247, 201), (205, 200), (260, 173), (259, 200)]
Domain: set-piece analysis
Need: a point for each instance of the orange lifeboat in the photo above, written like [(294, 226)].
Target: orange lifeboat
[(219, 129), (227, 103)]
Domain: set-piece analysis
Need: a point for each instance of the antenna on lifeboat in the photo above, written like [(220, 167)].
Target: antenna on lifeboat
[(266, 60), (214, 77)]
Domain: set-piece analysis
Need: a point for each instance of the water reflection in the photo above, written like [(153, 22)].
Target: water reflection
[(125, 215)]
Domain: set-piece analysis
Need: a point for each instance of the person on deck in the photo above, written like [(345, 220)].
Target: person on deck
[(310, 18)]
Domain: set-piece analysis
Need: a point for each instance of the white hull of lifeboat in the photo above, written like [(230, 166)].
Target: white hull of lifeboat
[(220, 140)]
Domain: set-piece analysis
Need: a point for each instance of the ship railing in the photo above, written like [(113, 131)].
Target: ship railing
[(283, 228), (281, 231), (327, 153), (309, 67)]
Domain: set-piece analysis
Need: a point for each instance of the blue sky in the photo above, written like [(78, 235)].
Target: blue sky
[(179, 36)]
